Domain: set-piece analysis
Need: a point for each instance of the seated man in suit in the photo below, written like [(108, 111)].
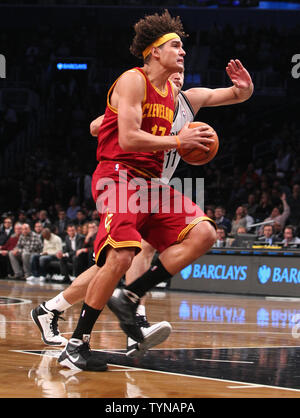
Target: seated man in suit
[(289, 237), (268, 236), (6, 231), (70, 256), (62, 223)]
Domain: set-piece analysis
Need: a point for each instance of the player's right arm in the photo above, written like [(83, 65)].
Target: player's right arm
[(95, 125), (127, 98)]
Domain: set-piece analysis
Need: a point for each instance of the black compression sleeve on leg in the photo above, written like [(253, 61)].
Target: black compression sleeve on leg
[(155, 275), (86, 322)]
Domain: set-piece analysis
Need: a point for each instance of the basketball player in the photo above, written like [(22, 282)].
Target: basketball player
[(188, 104), (185, 250), (133, 137), (47, 314)]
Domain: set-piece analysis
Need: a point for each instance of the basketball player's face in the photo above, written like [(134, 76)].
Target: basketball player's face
[(172, 55), (178, 79)]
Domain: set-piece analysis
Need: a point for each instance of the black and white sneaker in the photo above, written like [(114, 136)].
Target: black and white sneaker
[(47, 323), (153, 335), (142, 322), (124, 306), (77, 355)]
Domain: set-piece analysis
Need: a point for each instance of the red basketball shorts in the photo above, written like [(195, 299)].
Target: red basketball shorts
[(132, 207)]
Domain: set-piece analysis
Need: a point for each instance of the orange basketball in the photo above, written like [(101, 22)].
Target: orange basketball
[(197, 156)]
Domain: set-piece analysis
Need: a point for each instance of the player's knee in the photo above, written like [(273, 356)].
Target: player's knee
[(210, 233), (120, 260), (147, 250), (207, 234)]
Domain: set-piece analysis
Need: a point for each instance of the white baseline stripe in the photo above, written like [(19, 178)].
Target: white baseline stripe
[(210, 378), (246, 386), (224, 361)]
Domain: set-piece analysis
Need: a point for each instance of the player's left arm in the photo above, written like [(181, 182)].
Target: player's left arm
[(241, 90)]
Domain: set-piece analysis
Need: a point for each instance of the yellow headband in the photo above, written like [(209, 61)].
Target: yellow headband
[(162, 40)]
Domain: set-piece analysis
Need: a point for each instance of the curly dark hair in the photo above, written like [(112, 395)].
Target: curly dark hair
[(152, 27)]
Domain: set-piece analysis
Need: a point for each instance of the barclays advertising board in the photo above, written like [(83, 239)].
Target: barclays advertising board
[(256, 275)]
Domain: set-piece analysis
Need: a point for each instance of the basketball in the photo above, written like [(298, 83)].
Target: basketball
[(197, 156)]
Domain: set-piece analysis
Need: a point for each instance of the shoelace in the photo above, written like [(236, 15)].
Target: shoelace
[(141, 321), (53, 323)]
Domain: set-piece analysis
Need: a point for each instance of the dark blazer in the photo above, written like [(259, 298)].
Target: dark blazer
[(4, 236), (67, 247), (61, 227)]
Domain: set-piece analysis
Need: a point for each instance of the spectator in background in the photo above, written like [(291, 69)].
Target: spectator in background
[(38, 228), (252, 205), (43, 218), (22, 217), (264, 207), (250, 175), (236, 242), (33, 217), (282, 162), (29, 244), (268, 237), (279, 214), (73, 208), (80, 218), (6, 230), (62, 223), (222, 240), (221, 220), (294, 204), (85, 254), (95, 216), (68, 258), (52, 245), (249, 219), (10, 244), (210, 212), (239, 219), (289, 237), (278, 231)]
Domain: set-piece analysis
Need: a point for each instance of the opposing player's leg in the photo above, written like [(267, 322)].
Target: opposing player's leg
[(140, 264), (174, 258), (180, 238)]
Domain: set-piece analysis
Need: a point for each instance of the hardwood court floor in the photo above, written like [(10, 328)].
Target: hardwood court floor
[(221, 346)]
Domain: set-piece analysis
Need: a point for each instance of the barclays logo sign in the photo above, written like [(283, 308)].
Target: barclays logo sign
[(264, 273), (186, 272), (215, 272), (278, 275)]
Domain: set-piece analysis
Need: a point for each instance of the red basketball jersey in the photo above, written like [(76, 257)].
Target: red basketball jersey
[(158, 111)]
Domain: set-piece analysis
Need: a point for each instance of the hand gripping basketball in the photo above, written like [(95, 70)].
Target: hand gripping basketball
[(197, 156)]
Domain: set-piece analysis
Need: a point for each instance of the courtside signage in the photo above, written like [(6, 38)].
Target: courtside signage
[(278, 274), (241, 274), (214, 272)]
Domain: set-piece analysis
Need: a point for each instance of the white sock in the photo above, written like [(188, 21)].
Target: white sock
[(141, 310), (58, 302)]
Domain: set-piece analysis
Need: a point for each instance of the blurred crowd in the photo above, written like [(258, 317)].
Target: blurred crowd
[(38, 246)]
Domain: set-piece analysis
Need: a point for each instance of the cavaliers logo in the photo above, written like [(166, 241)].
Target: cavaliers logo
[(108, 221)]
